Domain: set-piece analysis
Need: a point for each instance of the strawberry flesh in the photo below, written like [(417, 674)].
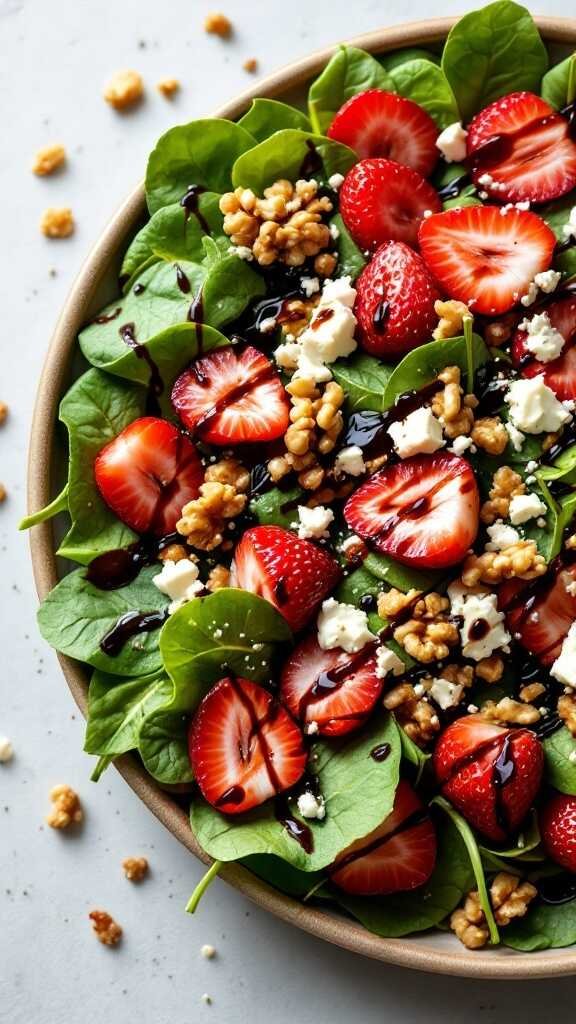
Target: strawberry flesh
[(560, 373), (558, 830), (381, 199), (539, 613)]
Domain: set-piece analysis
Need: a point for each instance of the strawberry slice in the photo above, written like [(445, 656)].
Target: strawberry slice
[(559, 374), (334, 689), (244, 747), (490, 774), (485, 258), (292, 574), (147, 473), (397, 856), (232, 396), (423, 511), (395, 296), (558, 830), (525, 147), (378, 123), (539, 613), (381, 199)]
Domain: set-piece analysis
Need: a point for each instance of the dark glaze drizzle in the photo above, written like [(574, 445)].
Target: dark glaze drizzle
[(189, 202), (115, 569), (369, 430), (296, 829), (535, 592), (182, 280), (129, 625), (502, 771), (334, 678), (478, 629), (453, 188), (322, 317), (139, 288), (380, 316), (281, 591), (312, 163), (565, 441), (558, 889), (381, 752), (233, 795), (155, 383), (105, 318), (234, 395), (196, 316)]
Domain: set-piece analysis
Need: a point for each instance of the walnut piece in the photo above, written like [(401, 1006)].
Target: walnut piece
[(451, 313), (510, 898), (221, 498), (510, 711), (173, 553), (490, 434), (567, 711), (124, 90), (49, 159), (315, 424), (3, 493), (490, 669), (469, 923), (135, 868), (506, 484), (414, 715), (168, 87), (520, 560), (428, 635), (57, 222), (67, 809), (250, 65), (218, 578), (217, 24), (107, 931), (392, 602), (531, 692), (3, 412)]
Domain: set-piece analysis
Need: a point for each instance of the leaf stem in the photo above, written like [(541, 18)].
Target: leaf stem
[(101, 765), (59, 504), (468, 339), (314, 119), (550, 501), (203, 884)]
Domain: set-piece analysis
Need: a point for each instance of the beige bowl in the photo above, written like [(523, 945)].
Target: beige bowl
[(436, 952)]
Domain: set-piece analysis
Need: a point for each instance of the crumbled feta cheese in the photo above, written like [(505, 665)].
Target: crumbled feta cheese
[(208, 952), (452, 143), (335, 181), (287, 355), (427, 214), (501, 536), (311, 806), (334, 232), (310, 285), (350, 461), (343, 625), (388, 661), (542, 339), (243, 252), (531, 466), (421, 431), (524, 507), (531, 295), (338, 290), (571, 588), (351, 542), (461, 444), (6, 750), (547, 280), (564, 668), (516, 436), (534, 407), (179, 581), (569, 229), (483, 631), (446, 694), (329, 335), (311, 728), (485, 180), (267, 325), (314, 522)]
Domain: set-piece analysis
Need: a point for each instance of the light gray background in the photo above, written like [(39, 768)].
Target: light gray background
[(54, 57)]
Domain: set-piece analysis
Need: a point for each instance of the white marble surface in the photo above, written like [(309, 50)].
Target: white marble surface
[(54, 56)]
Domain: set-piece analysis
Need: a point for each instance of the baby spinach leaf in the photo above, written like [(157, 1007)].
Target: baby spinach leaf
[(390, 61), (411, 752), (230, 286), (200, 153), (171, 234), (423, 364), (466, 197), (359, 583), (348, 72), (403, 577), (559, 83), (76, 615), (117, 709), (525, 843), (351, 261), (265, 117), (269, 507), (284, 155), (426, 84), (359, 794), (559, 770), (58, 504), (491, 52), (163, 745), (563, 468), (283, 876), (364, 381), (557, 214), (545, 926)]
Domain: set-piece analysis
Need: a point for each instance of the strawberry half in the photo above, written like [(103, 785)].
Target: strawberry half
[(559, 374), (540, 613), (525, 147), (486, 258), (378, 123), (232, 396), (334, 689), (147, 473), (397, 856), (244, 747), (292, 574), (395, 301), (489, 773), (423, 511), (558, 830), (381, 199)]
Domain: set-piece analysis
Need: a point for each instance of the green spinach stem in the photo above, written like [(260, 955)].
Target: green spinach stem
[(203, 884)]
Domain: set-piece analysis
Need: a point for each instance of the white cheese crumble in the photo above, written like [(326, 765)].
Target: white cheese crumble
[(6, 750), (310, 286), (548, 280), (452, 143), (524, 507), (179, 581), (534, 407), (516, 436), (334, 232), (351, 542), (564, 668), (243, 252), (461, 444), (267, 325), (446, 694), (350, 461), (311, 728), (481, 609), (531, 295), (328, 337), (571, 588), (569, 229), (388, 661), (542, 339), (421, 431), (335, 181), (501, 536), (343, 625), (311, 806), (314, 522)]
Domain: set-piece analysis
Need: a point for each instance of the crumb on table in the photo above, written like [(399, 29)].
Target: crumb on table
[(250, 65), (168, 87), (48, 159), (67, 809), (3, 411), (3, 493), (208, 951), (124, 90), (218, 24), (6, 748), (57, 222), (135, 868), (107, 931)]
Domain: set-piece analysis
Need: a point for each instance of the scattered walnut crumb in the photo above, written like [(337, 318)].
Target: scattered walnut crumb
[(67, 809), (208, 952), (451, 313), (168, 87), (510, 898), (530, 692), (217, 24), (250, 65), (218, 578), (135, 868), (509, 711), (57, 222), (3, 412), (3, 493), (490, 669), (520, 560), (506, 484), (124, 90), (567, 711), (490, 434), (173, 553), (49, 159), (107, 931)]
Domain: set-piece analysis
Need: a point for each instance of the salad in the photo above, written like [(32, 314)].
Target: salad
[(320, 547)]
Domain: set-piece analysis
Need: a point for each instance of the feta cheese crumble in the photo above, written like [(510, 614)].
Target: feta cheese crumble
[(534, 407), (542, 339), (461, 444), (516, 436), (452, 143), (179, 581), (335, 181), (343, 625), (314, 522), (421, 431), (564, 668), (311, 806), (329, 335), (524, 507), (569, 228), (310, 285), (350, 461), (483, 631), (548, 280), (501, 536), (446, 694), (243, 252), (388, 661)]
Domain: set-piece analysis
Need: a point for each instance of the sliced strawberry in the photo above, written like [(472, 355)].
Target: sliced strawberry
[(490, 774), (147, 473), (395, 296), (293, 574), (397, 856), (378, 123), (559, 374), (558, 830), (232, 396), (486, 258), (335, 690), (381, 199), (423, 511), (244, 747), (525, 147), (539, 613)]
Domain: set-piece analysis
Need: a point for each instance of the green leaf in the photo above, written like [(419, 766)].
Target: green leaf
[(357, 585), (117, 709), (426, 84), (558, 82), (276, 507), (351, 261), (563, 468), (414, 754), (559, 770), (491, 52), (172, 234), (557, 214), (265, 117), (390, 61), (359, 794), (58, 504), (403, 577), (348, 72), (200, 153), (284, 155), (545, 926), (364, 380), (230, 286), (423, 364), (283, 876), (525, 842), (163, 745)]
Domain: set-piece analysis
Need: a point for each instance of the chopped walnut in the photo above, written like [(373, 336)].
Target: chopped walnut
[(520, 560), (315, 424), (218, 578), (469, 923), (531, 692), (490, 669), (221, 497), (510, 711), (67, 809), (57, 222), (250, 65), (173, 553), (461, 675), (510, 898), (3, 412), (49, 159), (3, 493), (124, 90), (229, 471), (415, 716), (168, 87), (107, 931), (428, 635), (135, 868), (567, 711), (392, 602), (454, 411), (506, 484), (451, 321), (217, 24), (490, 434)]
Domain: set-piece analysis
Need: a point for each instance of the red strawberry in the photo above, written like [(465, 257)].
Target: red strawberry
[(335, 690), (147, 473), (525, 147), (423, 511), (542, 623), (293, 574), (484, 257), (489, 773), (378, 123), (395, 301), (244, 747), (381, 199), (397, 856), (559, 374), (558, 830), (232, 396)]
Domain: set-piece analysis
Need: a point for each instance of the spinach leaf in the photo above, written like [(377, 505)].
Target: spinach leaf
[(426, 84), (491, 52), (559, 770), (411, 752), (544, 927), (163, 745), (230, 286), (171, 234), (559, 83), (117, 709), (563, 468), (76, 615), (351, 260), (557, 214), (348, 72), (423, 364), (525, 843), (466, 197), (359, 794), (200, 153), (265, 117), (284, 155), (403, 577), (268, 507), (364, 380), (58, 504), (390, 61), (283, 876), (356, 585)]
